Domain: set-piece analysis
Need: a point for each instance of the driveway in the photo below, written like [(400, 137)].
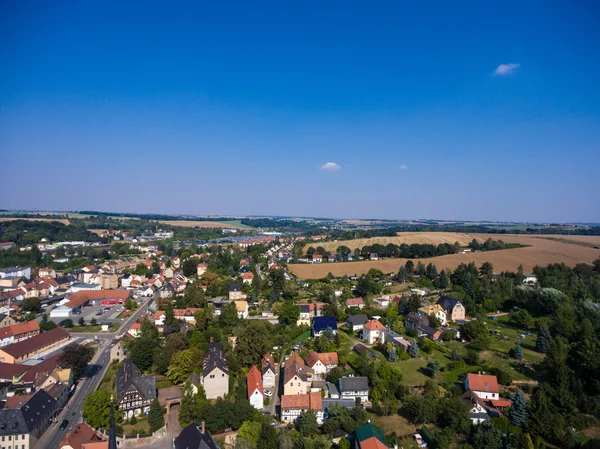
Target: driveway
[(173, 427)]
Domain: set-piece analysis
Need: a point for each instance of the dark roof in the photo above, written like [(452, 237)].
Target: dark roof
[(194, 379), (10, 370), (416, 319), (447, 303), (346, 403), (304, 308), (235, 288), (321, 323), (192, 438), (32, 344), (367, 431), (358, 319), (34, 412), (214, 358), (354, 384), (129, 375)]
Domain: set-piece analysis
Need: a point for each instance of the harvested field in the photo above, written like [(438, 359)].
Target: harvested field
[(60, 220), (203, 224), (434, 238), (540, 252)]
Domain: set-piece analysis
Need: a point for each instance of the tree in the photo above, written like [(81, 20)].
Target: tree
[(402, 275), (93, 322), (46, 324), (517, 414), (183, 364), (31, 304), (432, 367), (477, 331), (288, 313), (454, 356), (487, 436), (155, 416), (421, 269), (432, 271), (410, 266), (250, 432), (444, 280), (392, 355), (434, 321), (486, 269), (68, 323), (96, 410), (81, 322), (413, 349), (229, 316), (76, 357), (143, 348), (518, 352), (307, 424), (543, 341), (189, 267), (468, 283), (253, 343), (539, 414), (268, 437)]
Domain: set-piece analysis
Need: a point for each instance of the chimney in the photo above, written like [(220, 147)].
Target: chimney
[(203, 428), (211, 340)]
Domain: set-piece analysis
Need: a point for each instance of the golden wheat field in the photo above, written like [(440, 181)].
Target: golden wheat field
[(541, 251), (60, 220), (434, 238)]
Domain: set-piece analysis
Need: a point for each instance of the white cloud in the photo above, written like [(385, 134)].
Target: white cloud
[(330, 166), (404, 167), (506, 69)]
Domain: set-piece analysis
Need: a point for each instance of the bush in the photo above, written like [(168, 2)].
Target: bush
[(267, 401), (133, 420), (472, 357), (412, 333)]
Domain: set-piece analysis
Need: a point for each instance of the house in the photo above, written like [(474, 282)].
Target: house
[(418, 292), (455, 311), (529, 279), (117, 352), (383, 301), (317, 258), (6, 320), (27, 423), (18, 272), (6, 245), (81, 434), (255, 388), (46, 272), (194, 436), (389, 336), (18, 332), (304, 317), (477, 410), (242, 309), (81, 298), (321, 363), (134, 392), (321, 324), (292, 406), (187, 315), (356, 322), (355, 302), (350, 257), (372, 331), (435, 310), (268, 371), (354, 387), (201, 269), (373, 256), (295, 380), (235, 292), (18, 352), (421, 324), (247, 278), (330, 258), (368, 436), (484, 386), (215, 372)]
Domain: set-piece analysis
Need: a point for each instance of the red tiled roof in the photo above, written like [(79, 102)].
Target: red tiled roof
[(295, 401), (254, 379), (317, 256), (80, 435), (316, 403), (79, 298), (501, 403), (246, 276), (374, 325), (482, 382), (329, 358), (19, 328), (355, 301), (372, 443), (32, 344), (17, 401)]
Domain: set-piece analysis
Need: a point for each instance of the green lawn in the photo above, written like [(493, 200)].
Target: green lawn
[(93, 329), (238, 223), (141, 426)]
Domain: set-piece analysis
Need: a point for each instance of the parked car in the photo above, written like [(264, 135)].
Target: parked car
[(64, 424), (268, 393)]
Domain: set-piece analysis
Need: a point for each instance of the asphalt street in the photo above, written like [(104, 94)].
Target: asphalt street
[(89, 382)]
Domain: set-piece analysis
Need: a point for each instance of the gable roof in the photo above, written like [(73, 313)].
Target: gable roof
[(214, 358), (447, 303), (18, 350), (357, 320), (354, 384), (294, 366), (19, 328), (367, 431), (192, 437), (374, 325), (129, 375), (311, 401), (355, 301), (372, 443), (482, 382), (254, 380), (81, 434), (432, 308), (321, 323)]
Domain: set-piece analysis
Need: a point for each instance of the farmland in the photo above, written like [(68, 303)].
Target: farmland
[(232, 224), (541, 251), (59, 220), (433, 238)]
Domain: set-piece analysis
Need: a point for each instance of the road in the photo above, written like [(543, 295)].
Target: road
[(89, 382)]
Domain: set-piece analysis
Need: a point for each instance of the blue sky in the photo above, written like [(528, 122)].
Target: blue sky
[(448, 110)]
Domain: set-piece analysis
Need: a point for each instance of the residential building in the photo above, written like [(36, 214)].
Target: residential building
[(356, 322), (321, 363), (356, 302), (354, 387), (6, 245), (421, 323), (235, 292), (477, 410), (292, 406), (295, 379), (80, 435), (18, 352), (372, 331), (215, 372), (529, 279), (368, 436), (484, 386), (247, 278), (82, 298), (322, 324), (389, 336), (242, 309), (201, 269), (18, 332), (435, 310), (317, 258), (268, 371), (117, 352), (255, 388), (455, 311), (194, 436), (134, 392), (6, 320), (18, 272), (188, 315), (304, 317)]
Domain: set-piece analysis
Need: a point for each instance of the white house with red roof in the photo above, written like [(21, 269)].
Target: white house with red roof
[(317, 258), (255, 388), (356, 302), (247, 278), (373, 331), (484, 386)]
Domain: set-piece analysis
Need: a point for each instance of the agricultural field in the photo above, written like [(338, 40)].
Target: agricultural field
[(433, 238), (235, 224), (59, 220), (540, 251)]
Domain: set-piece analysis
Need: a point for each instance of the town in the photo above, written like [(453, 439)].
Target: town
[(151, 340)]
